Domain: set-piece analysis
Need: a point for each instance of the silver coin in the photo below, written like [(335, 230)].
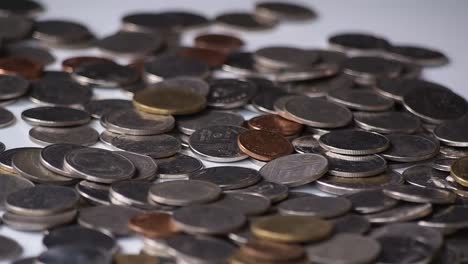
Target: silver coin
[(354, 142), (106, 137), (133, 122), (98, 165), (344, 185), (189, 124), (317, 113), (454, 153), (9, 184), (417, 194), (192, 249), (14, 27), (307, 144), (110, 219), (170, 65), (155, 22), (367, 68), (156, 146), (217, 143), (6, 159), (60, 92), (264, 101), (245, 21), (184, 192), (410, 148), (208, 219), (360, 99), (355, 166), (130, 192), (39, 223), (195, 85), (442, 163), (74, 254), (131, 44), (78, 236), (388, 122), (453, 133), (452, 217), (358, 43), (27, 162), (82, 135), (324, 207), (41, 200), (279, 104), (419, 55), (12, 86), (52, 157), (93, 192), (105, 74), (6, 118), (401, 213), (9, 249), (62, 33), (320, 87), (55, 116), (278, 57), (295, 170), (35, 53), (274, 191), (425, 176), (284, 11), (230, 93), (146, 167), (345, 248), (98, 108), (350, 223), (179, 166), (228, 177), (371, 201), (396, 88), (241, 63), (245, 203)]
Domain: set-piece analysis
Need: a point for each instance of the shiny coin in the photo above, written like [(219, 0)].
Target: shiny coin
[(217, 143), (355, 166), (70, 64), (23, 67), (38, 223), (229, 93), (419, 195), (324, 207), (459, 171), (425, 176), (79, 236), (291, 228), (264, 145), (55, 116), (228, 177), (111, 219), (189, 124), (6, 158), (156, 146), (62, 32), (129, 44), (387, 122), (153, 225), (241, 63), (360, 99), (354, 142), (358, 43), (273, 191), (146, 167), (52, 157), (275, 123), (6, 118), (208, 219), (419, 55), (12, 86), (130, 192), (284, 11), (367, 68), (60, 92), (401, 213), (454, 153), (317, 113), (74, 254), (295, 170), (371, 201), (453, 133), (169, 66), (262, 250), (453, 217), (179, 166), (189, 84), (441, 163), (82, 135), (280, 104), (9, 184), (219, 42), (278, 57), (9, 249), (105, 74), (307, 144), (265, 101), (41, 200), (98, 108), (410, 148), (184, 192), (98, 165), (346, 248), (169, 102), (320, 87), (133, 122), (351, 223), (93, 192), (245, 21), (247, 204)]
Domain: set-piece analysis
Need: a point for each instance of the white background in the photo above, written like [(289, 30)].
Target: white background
[(437, 24)]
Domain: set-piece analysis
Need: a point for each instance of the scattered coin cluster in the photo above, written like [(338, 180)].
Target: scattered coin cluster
[(342, 120)]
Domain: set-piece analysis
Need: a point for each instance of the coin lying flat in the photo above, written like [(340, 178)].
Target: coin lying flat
[(111, 219), (179, 166), (146, 168), (133, 122), (247, 204), (9, 249), (60, 92), (6, 158), (264, 145), (324, 207), (82, 135), (220, 42), (155, 146), (9, 184), (230, 93), (153, 225), (93, 193), (169, 102), (131, 44), (453, 133), (367, 68), (12, 86), (363, 100), (280, 57), (419, 55), (105, 74), (284, 11), (459, 172), (71, 63), (38, 223), (307, 144), (275, 123), (425, 176), (245, 21), (189, 124), (371, 201), (130, 192), (75, 255), (419, 195), (355, 166), (403, 212), (270, 251), (354, 142), (410, 148), (387, 122), (99, 107), (6, 118), (62, 32), (169, 66), (452, 217), (351, 223), (360, 43), (442, 163), (79, 236), (273, 191), (184, 192), (55, 116)]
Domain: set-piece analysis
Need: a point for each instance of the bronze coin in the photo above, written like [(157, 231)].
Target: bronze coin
[(219, 42), (153, 225), (211, 57), (264, 145), (26, 68), (70, 64), (263, 250), (275, 123)]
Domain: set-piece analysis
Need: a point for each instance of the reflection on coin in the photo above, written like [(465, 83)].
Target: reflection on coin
[(371, 201), (184, 192), (417, 194), (401, 213), (111, 219), (178, 166), (82, 135), (410, 148), (387, 122), (325, 207), (354, 142), (355, 166)]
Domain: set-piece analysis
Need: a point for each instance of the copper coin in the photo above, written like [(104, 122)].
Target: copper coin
[(263, 250), (26, 68), (211, 57), (275, 123), (153, 225), (264, 145), (70, 64), (219, 42)]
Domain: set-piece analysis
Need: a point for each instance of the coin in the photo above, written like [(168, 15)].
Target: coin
[(38, 54), (170, 65), (105, 74), (155, 146), (363, 100), (280, 57), (295, 170), (354, 142), (401, 213), (23, 67), (93, 192), (396, 88), (146, 167), (387, 122), (247, 204), (179, 166), (241, 63), (441, 163), (244, 21), (275, 123), (371, 201), (273, 191), (6, 159), (417, 194), (358, 43), (452, 217), (169, 102), (62, 33), (75, 235), (410, 148), (55, 116), (211, 57), (229, 93), (324, 207), (98, 108), (367, 68), (284, 11), (74, 255), (153, 225), (130, 192), (291, 228), (419, 55), (264, 145), (307, 144), (184, 192), (228, 177), (174, 20), (458, 171), (60, 91), (452, 152), (70, 64), (38, 223), (12, 86), (189, 124), (6, 118), (27, 8), (355, 166), (9, 184), (452, 133), (110, 219), (425, 176), (131, 44), (52, 157), (133, 122), (189, 84), (9, 249), (220, 42), (207, 219), (351, 223)]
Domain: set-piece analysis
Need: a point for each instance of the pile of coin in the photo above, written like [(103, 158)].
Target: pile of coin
[(385, 152)]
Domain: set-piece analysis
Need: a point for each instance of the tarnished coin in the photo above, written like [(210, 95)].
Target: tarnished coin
[(9, 184), (410, 148), (132, 44), (98, 108), (169, 101), (220, 42), (170, 65), (79, 236), (452, 152), (417, 194), (273, 191), (351, 223), (23, 67), (179, 166), (263, 250), (358, 43), (9, 249), (146, 167), (217, 143), (387, 122), (453, 133), (229, 93), (324, 207), (41, 200), (396, 88), (367, 68), (307, 144), (6, 118), (133, 122), (452, 217), (130, 192), (264, 145), (189, 84), (419, 55), (156, 146), (228, 177), (295, 170), (355, 166), (62, 33), (70, 64), (275, 123), (33, 223), (284, 11), (189, 124), (247, 204), (60, 92), (360, 99), (153, 225), (184, 192), (245, 21), (74, 254), (208, 219), (354, 142), (105, 74), (98, 165), (55, 116), (291, 228), (110, 219), (442, 163), (317, 113), (459, 171), (52, 157), (425, 176), (12, 86), (94, 193), (371, 201), (6, 159), (345, 248)]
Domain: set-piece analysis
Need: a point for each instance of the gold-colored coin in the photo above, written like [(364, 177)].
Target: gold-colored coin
[(131, 259), (169, 101), (459, 171), (240, 258), (291, 228)]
